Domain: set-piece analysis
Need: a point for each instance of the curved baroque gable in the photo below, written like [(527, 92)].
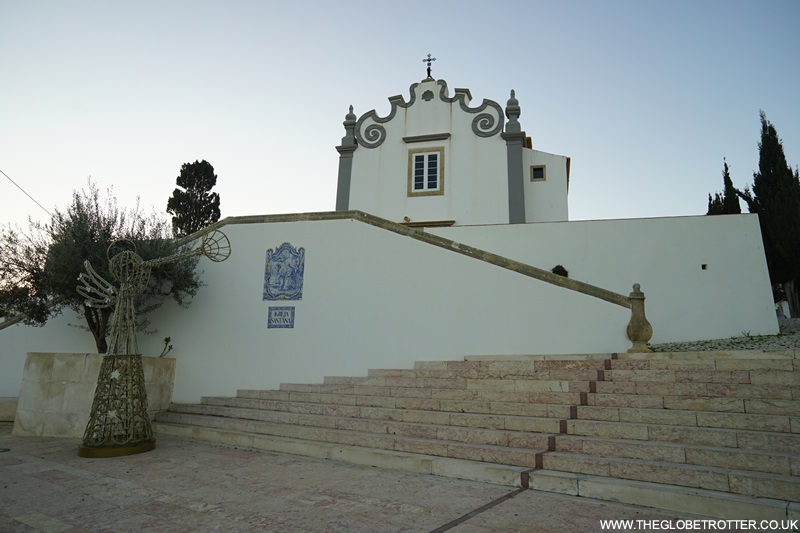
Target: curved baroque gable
[(488, 120), (489, 115)]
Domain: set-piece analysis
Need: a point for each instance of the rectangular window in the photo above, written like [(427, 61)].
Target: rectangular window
[(538, 173), (425, 171)]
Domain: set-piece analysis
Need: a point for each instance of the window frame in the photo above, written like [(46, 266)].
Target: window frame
[(439, 190), (544, 172)]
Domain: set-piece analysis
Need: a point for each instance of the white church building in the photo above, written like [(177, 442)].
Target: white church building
[(446, 228)]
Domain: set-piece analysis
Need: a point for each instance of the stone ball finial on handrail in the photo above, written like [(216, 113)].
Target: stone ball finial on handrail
[(639, 329)]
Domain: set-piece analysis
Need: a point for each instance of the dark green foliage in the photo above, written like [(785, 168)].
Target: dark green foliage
[(194, 207), (775, 197), (726, 203), (39, 270)]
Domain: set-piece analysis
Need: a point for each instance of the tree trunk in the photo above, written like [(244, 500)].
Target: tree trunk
[(792, 296), (97, 320)]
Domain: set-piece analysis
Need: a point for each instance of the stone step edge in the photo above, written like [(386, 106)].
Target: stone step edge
[(702, 502), (564, 423), (266, 424), (667, 444), (666, 497), (786, 478), (787, 353), (179, 408), (588, 397), (496, 474)]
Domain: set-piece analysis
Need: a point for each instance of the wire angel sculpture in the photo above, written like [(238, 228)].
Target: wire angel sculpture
[(119, 423)]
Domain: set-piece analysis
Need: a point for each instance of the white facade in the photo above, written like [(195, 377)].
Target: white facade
[(474, 185)]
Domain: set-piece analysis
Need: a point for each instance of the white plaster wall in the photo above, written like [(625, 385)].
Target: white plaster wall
[(665, 255), (475, 175), (57, 336), (545, 201), (372, 299)]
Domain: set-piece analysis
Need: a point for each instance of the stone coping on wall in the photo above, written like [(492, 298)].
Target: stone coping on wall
[(57, 390)]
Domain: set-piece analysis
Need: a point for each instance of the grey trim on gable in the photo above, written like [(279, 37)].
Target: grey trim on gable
[(375, 134), (487, 122), (430, 137), (484, 124)]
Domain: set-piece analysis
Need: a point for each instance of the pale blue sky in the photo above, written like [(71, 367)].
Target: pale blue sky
[(646, 97)]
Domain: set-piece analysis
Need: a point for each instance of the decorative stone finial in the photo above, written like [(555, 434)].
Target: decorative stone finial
[(349, 124), (512, 114)]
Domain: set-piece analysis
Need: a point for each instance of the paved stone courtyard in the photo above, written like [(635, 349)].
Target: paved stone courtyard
[(190, 486)]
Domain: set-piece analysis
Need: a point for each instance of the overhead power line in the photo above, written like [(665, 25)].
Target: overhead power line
[(26, 193)]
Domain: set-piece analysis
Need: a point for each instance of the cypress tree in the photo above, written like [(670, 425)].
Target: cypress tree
[(726, 203), (775, 197), (194, 207)]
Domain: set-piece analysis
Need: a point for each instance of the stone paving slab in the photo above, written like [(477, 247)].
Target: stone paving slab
[(190, 486)]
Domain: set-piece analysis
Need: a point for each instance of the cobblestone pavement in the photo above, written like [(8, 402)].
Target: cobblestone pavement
[(787, 339), (189, 486)]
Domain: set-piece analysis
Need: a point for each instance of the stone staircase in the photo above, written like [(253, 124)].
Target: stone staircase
[(716, 434)]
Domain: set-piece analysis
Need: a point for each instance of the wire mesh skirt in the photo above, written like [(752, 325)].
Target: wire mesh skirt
[(119, 423)]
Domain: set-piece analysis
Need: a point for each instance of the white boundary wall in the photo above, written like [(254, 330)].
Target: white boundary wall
[(685, 302), (376, 299)]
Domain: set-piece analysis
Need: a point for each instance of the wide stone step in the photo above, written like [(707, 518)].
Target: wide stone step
[(726, 357), (493, 453), (752, 422), (714, 504), (543, 384), (772, 462), (522, 438), (468, 367), (723, 390), (403, 398), (315, 414), (709, 371), (754, 484), (552, 370), (313, 403), (511, 421), (700, 436), (694, 403)]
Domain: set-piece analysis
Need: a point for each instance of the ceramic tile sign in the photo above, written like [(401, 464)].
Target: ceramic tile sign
[(283, 275), (280, 317)]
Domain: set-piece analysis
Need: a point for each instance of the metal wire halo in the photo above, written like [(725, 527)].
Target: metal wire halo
[(216, 246)]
